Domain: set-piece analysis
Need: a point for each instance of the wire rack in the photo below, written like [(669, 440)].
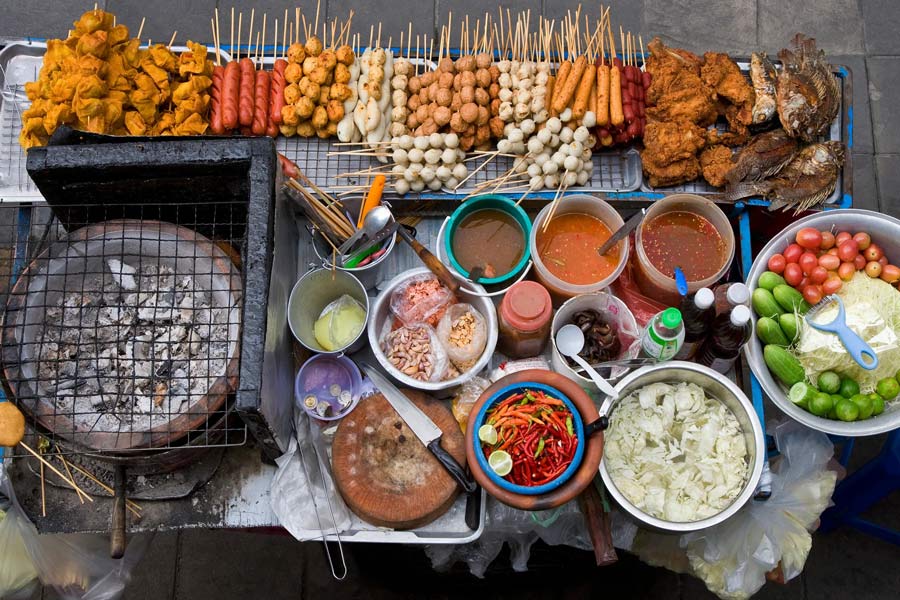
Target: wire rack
[(121, 324)]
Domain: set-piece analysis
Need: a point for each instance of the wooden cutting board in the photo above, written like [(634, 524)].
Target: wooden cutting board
[(384, 473)]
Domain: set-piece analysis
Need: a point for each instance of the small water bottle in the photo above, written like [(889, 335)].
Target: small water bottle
[(663, 335)]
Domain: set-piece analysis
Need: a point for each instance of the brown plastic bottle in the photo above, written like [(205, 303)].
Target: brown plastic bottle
[(524, 320)]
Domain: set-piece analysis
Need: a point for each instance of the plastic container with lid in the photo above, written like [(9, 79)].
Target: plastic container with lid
[(663, 335), (582, 204), (661, 286), (327, 387), (524, 320)]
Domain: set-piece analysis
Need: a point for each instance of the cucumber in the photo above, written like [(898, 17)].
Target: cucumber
[(783, 365), (801, 393), (790, 299), (764, 303), (769, 280), (769, 331), (790, 326)]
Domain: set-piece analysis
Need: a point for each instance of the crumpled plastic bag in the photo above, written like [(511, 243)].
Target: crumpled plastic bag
[(733, 558), (518, 528), (463, 356), (292, 501), (77, 566)]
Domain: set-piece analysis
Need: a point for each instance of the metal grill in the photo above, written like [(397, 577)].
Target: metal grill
[(122, 325)]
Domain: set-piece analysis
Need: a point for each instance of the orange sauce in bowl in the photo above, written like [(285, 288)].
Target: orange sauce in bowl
[(568, 248)]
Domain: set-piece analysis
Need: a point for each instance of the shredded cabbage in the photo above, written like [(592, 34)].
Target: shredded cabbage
[(676, 453), (872, 309)]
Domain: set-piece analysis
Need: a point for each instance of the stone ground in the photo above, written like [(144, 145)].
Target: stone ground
[(859, 34)]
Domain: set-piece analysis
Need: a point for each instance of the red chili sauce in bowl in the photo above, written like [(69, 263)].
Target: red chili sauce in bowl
[(683, 239)]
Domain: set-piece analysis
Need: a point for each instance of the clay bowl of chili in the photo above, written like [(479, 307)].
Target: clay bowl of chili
[(565, 486)]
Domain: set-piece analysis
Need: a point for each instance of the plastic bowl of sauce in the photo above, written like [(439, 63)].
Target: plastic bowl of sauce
[(687, 231), (491, 232), (565, 254)]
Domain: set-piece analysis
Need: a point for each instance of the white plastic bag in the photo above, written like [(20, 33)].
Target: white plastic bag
[(462, 353), (77, 566), (406, 347)]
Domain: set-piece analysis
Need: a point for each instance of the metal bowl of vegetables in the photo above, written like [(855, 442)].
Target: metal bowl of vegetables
[(684, 449), (885, 231)]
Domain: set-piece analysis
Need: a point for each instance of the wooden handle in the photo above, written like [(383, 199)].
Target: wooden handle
[(597, 520), (117, 532), (431, 261)]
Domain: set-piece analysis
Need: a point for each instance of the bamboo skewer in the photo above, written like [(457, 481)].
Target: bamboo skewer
[(69, 473), (54, 469), (133, 506)]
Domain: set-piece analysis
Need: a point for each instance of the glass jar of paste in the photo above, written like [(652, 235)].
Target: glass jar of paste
[(524, 320)]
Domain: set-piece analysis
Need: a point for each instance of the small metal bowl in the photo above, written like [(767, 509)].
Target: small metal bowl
[(499, 396), (381, 312), (723, 389), (309, 297)]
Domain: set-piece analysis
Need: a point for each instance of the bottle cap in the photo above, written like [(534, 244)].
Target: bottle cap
[(704, 298), (526, 306), (737, 293), (670, 318), (740, 315)]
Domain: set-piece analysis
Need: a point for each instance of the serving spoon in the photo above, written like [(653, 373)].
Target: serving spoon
[(375, 220), (570, 341)]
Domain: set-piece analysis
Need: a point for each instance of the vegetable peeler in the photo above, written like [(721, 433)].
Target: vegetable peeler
[(861, 352)]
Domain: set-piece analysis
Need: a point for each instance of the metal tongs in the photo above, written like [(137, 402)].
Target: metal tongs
[(312, 493)]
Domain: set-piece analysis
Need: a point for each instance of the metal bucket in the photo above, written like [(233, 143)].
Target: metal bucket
[(723, 389), (311, 294), (369, 275)]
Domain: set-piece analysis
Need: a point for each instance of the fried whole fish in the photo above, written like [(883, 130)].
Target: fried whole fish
[(765, 155), (806, 91), (762, 74), (805, 181)]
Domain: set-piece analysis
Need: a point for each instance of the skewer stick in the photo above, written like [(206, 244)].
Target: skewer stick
[(284, 24), (141, 28), (559, 191), (256, 49), (491, 157), (54, 469), (69, 473), (409, 41), (172, 41), (318, 6), (298, 17), (378, 41), (130, 504), (240, 27), (43, 490), (250, 30), (231, 39), (262, 49), (218, 40)]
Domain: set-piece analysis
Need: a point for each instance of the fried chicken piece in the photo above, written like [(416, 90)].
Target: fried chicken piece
[(668, 142), (716, 163), (677, 93), (723, 75), (672, 174), (134, 123)]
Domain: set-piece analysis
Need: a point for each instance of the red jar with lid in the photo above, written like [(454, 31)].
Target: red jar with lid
[(524, 320)]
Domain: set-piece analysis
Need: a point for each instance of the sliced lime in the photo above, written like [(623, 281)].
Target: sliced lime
[(487, 434), (801, 393), (501, 462)]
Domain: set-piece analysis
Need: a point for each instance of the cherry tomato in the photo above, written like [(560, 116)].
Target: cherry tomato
[(863, 240), (843, 236), (812, 293), (818, 275), (872, 252), (832, 284), (829, 261), (792, 253), (793, 274), (883, 260), (804, 282), (808, 262), (776, 263), (873, 269), (828, 240), (890, 273), (847, 250), (832, 251), (810, 238), (860, 262), (846, 271)]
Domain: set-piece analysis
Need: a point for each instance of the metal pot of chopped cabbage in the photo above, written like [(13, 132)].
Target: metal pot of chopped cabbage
[(684, 449)]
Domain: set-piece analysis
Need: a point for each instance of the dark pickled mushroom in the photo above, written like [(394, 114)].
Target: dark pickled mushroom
[(601, 340)]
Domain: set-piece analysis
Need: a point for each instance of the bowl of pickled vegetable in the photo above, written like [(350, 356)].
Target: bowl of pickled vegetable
[(528, 438)]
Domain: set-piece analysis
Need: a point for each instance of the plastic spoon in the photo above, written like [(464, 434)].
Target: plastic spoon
[(570, 341), (376, 220)]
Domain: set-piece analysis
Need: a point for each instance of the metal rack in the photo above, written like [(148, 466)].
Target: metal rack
[(111, 326)]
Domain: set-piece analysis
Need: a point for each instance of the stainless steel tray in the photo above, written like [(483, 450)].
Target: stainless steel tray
[(702, 188), (449, 528)]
